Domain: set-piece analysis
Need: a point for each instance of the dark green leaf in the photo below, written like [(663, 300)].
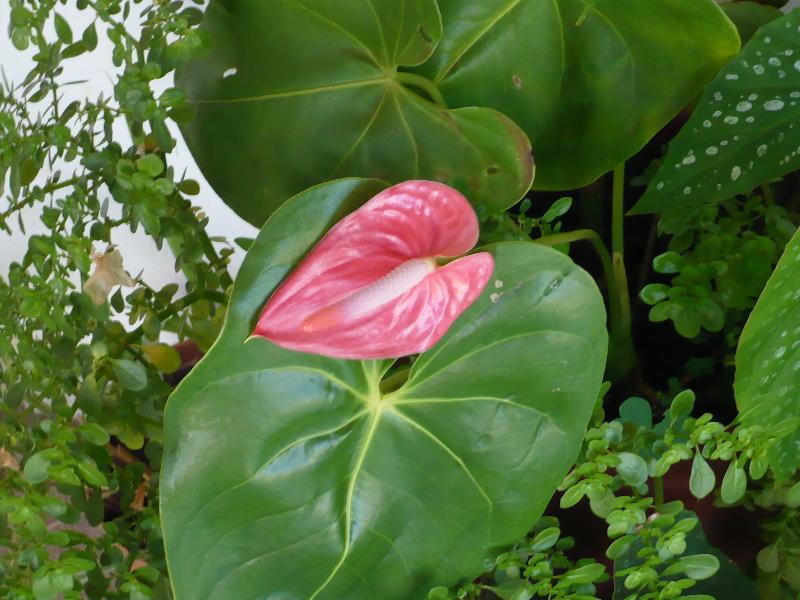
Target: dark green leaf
[(587, 83), (303, 466), (319, 81), (637, 411), (749, 16), (742, 132)]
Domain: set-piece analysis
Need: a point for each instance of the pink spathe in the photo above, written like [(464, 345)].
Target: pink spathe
[(371, 288)]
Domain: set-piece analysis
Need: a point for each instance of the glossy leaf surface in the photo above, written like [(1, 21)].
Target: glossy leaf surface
[(767, 383), (745, 130), (372, 289), (307, 91), (289, 475), (585, 80)]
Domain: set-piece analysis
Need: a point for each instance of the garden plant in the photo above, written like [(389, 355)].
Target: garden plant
[(522, 319)]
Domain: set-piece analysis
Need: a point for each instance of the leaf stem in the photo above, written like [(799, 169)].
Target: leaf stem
[(583, 234), (622, 355), (617, 211), (424, 84), (658, 490)]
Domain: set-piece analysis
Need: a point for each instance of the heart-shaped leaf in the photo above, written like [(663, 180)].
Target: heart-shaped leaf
[(767, 383), (291, 475), (294, 92), (588, 83), (744, 130)]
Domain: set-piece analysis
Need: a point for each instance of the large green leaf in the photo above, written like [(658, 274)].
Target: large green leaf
[(767, 383), (289, 475), (295, 92), (589, 82), (744, 131)]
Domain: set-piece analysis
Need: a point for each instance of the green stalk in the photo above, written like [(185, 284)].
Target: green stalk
[(588, 235), (621, 353), (424, 84), (658, 490)]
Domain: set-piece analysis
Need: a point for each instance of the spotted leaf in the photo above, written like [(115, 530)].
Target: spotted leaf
[(767, 381), (745, 130)]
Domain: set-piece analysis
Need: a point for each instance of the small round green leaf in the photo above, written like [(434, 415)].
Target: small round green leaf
[(632, 468), (702, 478)]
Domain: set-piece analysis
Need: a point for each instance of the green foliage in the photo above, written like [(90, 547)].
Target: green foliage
[(536, 566), (77, 509), (346, 112), (743, 132), (403, 483), (544, 63), (336, 455), (768, 360), (721, 255)]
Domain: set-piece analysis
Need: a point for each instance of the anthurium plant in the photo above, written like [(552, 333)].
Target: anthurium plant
[(422, 382)]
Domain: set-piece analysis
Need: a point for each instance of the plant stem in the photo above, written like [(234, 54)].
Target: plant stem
[(424, 84), (621, 353), (658, 490), (617, 211), (583, 234)]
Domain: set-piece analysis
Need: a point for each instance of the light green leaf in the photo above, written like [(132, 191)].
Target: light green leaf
[(632, 468), (37, 467), (93, 433), (292, 472), (744, 130), (545, 539), (63, 30), (150, 164), (702, 478), (767, 383), (130, 374), (165, 358), (734, 483), (310, 91)]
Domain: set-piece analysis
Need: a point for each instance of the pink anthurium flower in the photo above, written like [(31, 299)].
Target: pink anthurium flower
[(372, 287)]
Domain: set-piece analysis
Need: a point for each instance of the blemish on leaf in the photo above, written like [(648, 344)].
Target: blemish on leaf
[(517, 81)]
